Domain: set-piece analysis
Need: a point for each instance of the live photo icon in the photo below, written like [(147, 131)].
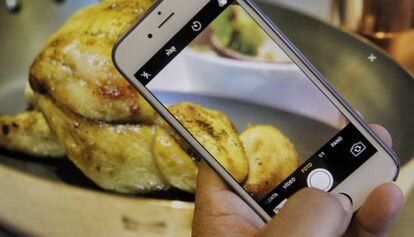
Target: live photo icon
[(222, 3)]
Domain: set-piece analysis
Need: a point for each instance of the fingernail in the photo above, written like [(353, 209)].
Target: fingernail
[(344, 200)]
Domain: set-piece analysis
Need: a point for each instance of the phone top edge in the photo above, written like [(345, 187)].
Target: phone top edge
[(128, 31)]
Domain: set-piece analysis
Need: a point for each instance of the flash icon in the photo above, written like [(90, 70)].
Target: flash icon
[(222, 3)]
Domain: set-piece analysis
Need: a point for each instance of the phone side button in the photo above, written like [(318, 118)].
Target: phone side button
[(349, 197)]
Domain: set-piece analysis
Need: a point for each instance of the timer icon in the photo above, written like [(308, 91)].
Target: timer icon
[(196, 26)]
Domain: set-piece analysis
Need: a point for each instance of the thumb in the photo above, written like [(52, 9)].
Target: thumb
[(311, 212), (208, 180)]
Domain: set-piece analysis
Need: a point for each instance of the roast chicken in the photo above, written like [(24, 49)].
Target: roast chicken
[(83, 109)]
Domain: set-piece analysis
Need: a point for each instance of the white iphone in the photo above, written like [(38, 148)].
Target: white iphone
[(230, 72)]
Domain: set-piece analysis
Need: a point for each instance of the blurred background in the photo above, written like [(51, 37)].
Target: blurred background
[(388, 24)]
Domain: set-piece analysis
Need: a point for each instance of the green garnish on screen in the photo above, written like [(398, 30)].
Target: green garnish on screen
[(235, 29)]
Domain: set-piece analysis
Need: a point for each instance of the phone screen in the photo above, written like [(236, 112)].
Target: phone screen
[(252, 108)]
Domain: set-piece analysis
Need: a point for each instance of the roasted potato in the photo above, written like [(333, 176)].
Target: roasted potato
[(272, 157)]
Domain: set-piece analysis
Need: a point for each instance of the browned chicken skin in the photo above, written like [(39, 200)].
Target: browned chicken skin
[(29, 133), (217, 134), (76, 69), (116, 157), (88, 111)]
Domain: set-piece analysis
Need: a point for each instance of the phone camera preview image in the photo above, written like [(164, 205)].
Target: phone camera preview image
[(244, 100)]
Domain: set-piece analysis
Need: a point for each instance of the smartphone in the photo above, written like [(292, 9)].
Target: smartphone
[(245, 100)]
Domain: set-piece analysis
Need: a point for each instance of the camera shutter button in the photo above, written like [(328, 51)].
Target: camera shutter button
[(320, 179)]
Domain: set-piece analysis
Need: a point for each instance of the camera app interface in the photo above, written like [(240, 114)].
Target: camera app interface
[(244, 100)]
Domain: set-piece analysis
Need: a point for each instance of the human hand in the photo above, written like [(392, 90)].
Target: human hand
[(220, 212)]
